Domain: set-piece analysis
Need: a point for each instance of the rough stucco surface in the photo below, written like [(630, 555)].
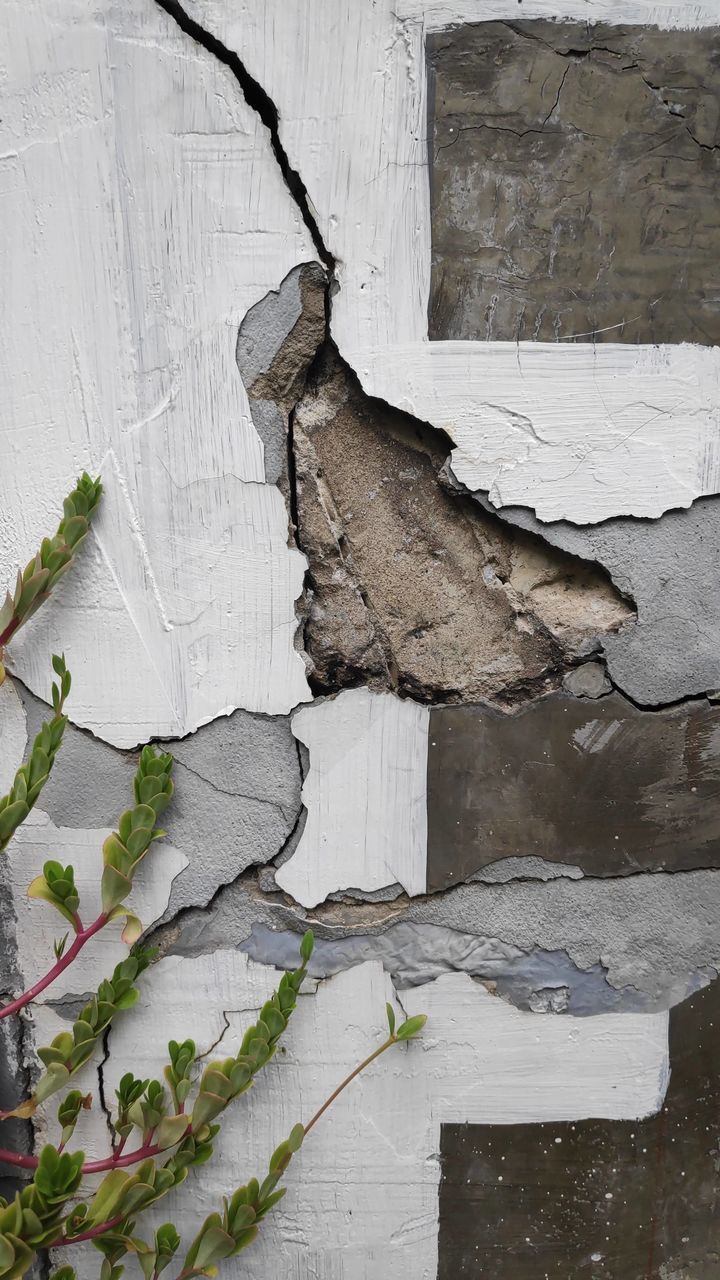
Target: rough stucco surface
[(574, 183), (669, 568), (281, 527), (409, 587)]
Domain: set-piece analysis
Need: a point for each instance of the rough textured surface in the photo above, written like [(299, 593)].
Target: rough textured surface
[(599, 451), (362, 1201), (575, 176), (119, 136), (655, 937), (608, 787), (409, 587), (669, 568), (277, 341), (595, 1200), (237, 794)]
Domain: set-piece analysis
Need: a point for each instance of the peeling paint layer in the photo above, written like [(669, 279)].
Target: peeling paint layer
[(141, 195), (669, 567), (365, 796), (575, 433)]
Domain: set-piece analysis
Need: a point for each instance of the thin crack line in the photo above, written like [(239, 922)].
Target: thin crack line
[(262, 104)]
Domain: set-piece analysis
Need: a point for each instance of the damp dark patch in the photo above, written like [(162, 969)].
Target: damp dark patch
[(604, 786), (597, 1199), (575, 180)]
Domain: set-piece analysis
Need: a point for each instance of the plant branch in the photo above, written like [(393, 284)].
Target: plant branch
[(82, 936), (97, 1166), (391, 1040), (91, 1234)]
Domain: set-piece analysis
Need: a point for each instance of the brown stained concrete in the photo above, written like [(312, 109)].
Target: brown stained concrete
[(575, 183), (412, 588), (597, 1199), (598, 785)]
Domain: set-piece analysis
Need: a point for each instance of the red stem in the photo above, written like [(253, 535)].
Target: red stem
[(9, 631), (94, 1166), (87, 1235), (81, 937)]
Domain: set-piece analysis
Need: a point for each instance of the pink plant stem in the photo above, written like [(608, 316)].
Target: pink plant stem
[(81, 937), (87, 1235), (94, 1166), (9, 631)]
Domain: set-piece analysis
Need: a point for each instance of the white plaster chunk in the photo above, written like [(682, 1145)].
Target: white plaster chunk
[(144, 214), (365, 795), (571, 432), (39, 924), (365, 1185), (13, 735)]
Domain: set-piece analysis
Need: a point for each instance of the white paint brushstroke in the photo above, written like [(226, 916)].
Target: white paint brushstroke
[(620, 430), (365, 795), (143, 215), (13, 735), (362, 1194), (38, 924)]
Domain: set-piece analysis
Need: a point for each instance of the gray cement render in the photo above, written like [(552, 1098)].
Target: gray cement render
[(669, 568), (237, 794), (655, 938), (574, 175), (266, 326)]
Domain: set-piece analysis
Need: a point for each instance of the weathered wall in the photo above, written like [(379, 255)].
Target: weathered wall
[(390, 327)]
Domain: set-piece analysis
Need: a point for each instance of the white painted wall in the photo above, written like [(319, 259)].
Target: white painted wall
[(143, 215)]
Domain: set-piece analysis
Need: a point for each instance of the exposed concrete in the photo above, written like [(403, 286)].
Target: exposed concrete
[(410, 589), (574, 183), (603, 785), (669, 568), (655, 937), (237, 794), (414, 954), (277, 341), (596, 1199), (587, 681)]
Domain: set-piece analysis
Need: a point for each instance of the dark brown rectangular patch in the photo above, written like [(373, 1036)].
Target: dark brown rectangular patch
[(598, 1199), (575, 181), (600, 785)]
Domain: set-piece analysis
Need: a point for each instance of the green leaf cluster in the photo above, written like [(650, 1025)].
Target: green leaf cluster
[(227, 1078), (54, 558), (32, 776), (224, 1235), (68, 1111), (34, 1218), (70, 1049), (126, 847)]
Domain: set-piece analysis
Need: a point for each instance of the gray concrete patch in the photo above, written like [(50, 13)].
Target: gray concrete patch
[(656, 938), (237, 794), (669, 567), (574, 183)]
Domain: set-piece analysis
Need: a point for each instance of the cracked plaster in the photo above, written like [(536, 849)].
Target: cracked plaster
[(119, 206), (335, 1219), (669, 568), (563, 429)]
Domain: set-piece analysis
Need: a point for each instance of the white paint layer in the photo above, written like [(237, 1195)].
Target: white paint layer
[(39, 924), (560, 429), (362, 1198), (13, 735), (143, 215), (365, 794)]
